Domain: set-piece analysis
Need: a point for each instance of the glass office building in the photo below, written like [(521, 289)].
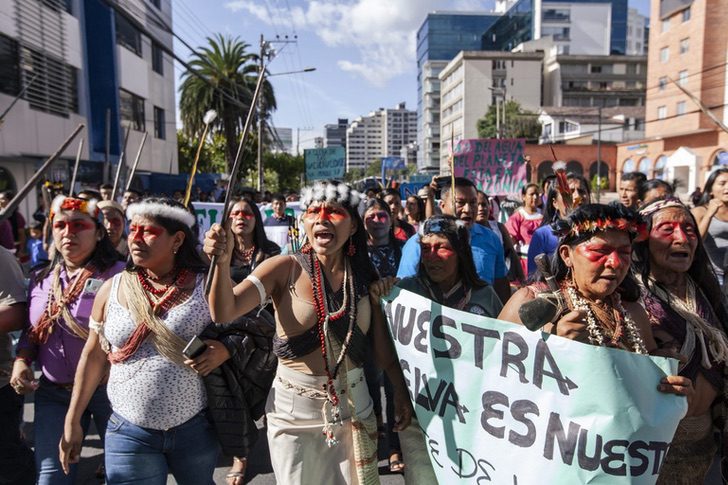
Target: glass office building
[(440, 37)]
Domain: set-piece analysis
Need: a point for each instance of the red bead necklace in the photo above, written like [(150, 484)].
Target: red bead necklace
[(166, 297)]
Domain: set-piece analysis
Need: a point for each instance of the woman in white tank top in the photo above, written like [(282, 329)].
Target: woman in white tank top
[(140, 324)]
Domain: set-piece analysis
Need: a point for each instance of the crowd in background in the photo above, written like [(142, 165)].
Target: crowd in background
[(116, 298)]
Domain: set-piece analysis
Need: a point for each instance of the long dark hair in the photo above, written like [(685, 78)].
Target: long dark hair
[(701, 271), (420, 207), (260, 238), (459, 238), (393, 241), (103, 257), (550, 213), (709, 184), (628, 288), (187, 255)]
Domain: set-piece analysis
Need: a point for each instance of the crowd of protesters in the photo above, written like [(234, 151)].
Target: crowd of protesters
[(107, 299)]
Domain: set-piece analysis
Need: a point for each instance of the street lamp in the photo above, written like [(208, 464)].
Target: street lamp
[(268, 53)]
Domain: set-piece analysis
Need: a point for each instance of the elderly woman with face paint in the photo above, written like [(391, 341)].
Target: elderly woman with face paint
[(60, 301), (689, 317), (141, 321), (601, 298), (321, 428)]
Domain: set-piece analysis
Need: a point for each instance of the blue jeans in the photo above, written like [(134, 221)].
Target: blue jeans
[(143, 456), (51, 406)]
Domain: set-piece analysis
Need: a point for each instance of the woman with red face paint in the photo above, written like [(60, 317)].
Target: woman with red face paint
[(321, 425), (688, 317), (60, 302), (252, 246), (141, 321), (600, 298)]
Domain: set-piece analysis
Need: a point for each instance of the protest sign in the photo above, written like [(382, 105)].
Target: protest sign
[(496, 166), (324, 163), (500, 404)]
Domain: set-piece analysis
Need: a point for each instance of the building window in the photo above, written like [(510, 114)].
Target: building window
[(157, 59), (684, 46), (9, 72), (157, 3), (55, 85), (596, 69), (664, 54), (132, 110), (681, 108), (686, 14), (665, 25), (662, 112), (662, 83), (159, 123), (128, 35), (683, 77)]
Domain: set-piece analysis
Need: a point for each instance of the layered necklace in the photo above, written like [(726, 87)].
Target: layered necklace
[(162, 299), (623, 323), (323, 320)]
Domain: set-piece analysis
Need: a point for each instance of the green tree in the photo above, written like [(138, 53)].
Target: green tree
[(282, 171), (212, 156), (224, 79), (374, 169), (354, 174), (519, 123)]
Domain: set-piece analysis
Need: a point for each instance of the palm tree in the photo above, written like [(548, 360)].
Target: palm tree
[(224, 79)]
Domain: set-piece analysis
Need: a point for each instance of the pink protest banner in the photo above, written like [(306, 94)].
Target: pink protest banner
[(496, 166)]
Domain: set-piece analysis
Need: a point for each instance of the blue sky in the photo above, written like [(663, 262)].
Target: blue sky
[(363, 50)]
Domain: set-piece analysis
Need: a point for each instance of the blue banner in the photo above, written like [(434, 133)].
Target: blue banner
[(325, 163)]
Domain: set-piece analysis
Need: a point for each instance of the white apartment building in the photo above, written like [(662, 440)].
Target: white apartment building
[(382, 133), (637, 29), (475, 80), (429, 131), (580, 126), (578, 28), (78, 61)]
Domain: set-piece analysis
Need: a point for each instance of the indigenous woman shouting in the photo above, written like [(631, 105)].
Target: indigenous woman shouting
[(323, 317), (143, 318), (688, 316), (592, 267), (60, 302)]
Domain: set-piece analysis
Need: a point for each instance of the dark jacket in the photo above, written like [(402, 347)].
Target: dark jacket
[(238, 389)]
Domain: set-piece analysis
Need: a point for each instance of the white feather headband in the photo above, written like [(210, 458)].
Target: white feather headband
[(156, 209), (63, 203), (329, 192)]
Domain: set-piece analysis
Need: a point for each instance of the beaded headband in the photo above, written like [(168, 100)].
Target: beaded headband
[(660, 204), (329, 192), (64, 203), (576, 229), (157, 209), (439, 225)]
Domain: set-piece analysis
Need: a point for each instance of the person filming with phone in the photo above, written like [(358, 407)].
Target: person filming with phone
[(141, 323)]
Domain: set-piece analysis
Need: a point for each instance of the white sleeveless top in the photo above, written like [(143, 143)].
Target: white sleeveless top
[(147, 389)]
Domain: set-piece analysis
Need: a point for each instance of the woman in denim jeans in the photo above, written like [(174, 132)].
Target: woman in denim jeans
[(141, 321), (60, 300)]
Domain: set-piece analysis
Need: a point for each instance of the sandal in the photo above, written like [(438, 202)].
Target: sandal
[(236, 477), (396, 465)]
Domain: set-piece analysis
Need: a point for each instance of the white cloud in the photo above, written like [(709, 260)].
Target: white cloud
[(381, 32)]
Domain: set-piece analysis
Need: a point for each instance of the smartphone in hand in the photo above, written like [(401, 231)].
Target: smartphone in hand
[(194, 348)]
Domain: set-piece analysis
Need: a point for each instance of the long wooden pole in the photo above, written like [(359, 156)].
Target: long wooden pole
[(75, 168), (136, 161), (120, 164), (188, 191), (13, 204), (233, 180)]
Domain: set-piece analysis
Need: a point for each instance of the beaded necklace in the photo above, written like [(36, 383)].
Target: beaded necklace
[(323, 320), (162, 299), (596, 329)]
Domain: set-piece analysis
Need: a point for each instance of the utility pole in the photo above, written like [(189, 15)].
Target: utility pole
[(599, 154)]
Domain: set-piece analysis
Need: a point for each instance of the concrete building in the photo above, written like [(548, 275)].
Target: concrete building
[(580, 126), (79, 60), (606, 81), (440, 37), (472, 82), (637, 33), (282, 140), (335, 134), (687, 48), (578, 26), (382, 133)]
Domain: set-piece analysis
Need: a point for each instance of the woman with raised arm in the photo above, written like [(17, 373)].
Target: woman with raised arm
[(60, 302), (688, 316), (712, 217), (323, 316), (141, 321)]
